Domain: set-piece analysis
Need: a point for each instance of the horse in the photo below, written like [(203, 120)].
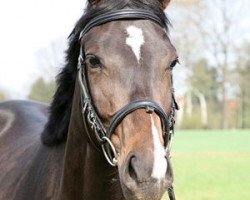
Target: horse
[(107, 133)]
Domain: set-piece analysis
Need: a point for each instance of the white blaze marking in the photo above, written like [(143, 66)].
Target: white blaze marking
[(135, 40), (160, 163)]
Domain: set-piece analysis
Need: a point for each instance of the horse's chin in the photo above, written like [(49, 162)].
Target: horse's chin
[(150, 189), (137, 181), (143, 191)]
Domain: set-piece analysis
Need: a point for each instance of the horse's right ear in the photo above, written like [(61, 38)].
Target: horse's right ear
[(164, 3)]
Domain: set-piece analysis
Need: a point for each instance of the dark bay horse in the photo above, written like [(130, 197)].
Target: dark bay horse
[(107, 133)]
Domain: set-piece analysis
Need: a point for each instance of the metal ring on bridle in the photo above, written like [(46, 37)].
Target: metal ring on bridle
[(114, 161)]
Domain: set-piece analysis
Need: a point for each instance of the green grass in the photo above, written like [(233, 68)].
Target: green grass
[(211, 165)]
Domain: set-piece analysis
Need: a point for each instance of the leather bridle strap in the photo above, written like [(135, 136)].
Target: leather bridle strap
[(124, 14), (90, 117), (148, 105), (171, 193)]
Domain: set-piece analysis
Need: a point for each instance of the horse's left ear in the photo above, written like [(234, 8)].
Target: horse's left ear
[(93, 1), (164, 3)]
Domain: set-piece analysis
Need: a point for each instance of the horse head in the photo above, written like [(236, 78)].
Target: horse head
[(125, 85)]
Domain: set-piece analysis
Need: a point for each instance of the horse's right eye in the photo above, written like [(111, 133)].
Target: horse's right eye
[(93, 62)]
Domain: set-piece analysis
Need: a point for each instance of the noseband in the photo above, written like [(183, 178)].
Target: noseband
[(97, 133)]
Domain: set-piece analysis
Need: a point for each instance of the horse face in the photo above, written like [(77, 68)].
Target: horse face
[(127, 61)]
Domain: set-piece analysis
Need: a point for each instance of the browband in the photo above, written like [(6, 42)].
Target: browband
[(123, 14)]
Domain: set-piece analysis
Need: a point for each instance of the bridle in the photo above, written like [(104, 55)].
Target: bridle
[(97, 133)]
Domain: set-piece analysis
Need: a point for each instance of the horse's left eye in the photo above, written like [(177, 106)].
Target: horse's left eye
[(172, 65), (93, 61)]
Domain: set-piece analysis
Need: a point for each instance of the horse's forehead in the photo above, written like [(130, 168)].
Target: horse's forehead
[(125, 35)]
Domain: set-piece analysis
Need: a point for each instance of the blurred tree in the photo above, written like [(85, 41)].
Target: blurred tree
[(2, 96), (187, 46), (42, 91), (204, 87), (51, 58), (210, 30), (204, 79), (217, 32), (243, 80)]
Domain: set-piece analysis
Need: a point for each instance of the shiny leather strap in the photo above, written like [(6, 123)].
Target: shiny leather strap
[(148, 105), (124, 14), (171, 193)]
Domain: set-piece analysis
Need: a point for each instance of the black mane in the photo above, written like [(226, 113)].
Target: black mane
[(56, 128)]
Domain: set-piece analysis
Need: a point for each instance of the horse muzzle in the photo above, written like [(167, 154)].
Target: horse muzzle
[(137, 181)]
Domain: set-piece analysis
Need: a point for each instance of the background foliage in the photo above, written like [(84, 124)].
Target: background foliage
[(213, 44), (2, 96), (42, 91)]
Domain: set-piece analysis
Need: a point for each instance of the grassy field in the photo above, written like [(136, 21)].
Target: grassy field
[(211, 165)]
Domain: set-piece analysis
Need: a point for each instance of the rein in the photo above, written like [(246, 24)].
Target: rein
[(98, 135)]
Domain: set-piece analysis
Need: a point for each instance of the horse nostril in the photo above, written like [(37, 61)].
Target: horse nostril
[(131, 169), (139, 169)]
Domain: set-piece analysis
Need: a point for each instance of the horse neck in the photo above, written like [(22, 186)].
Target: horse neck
[(86, 173)]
